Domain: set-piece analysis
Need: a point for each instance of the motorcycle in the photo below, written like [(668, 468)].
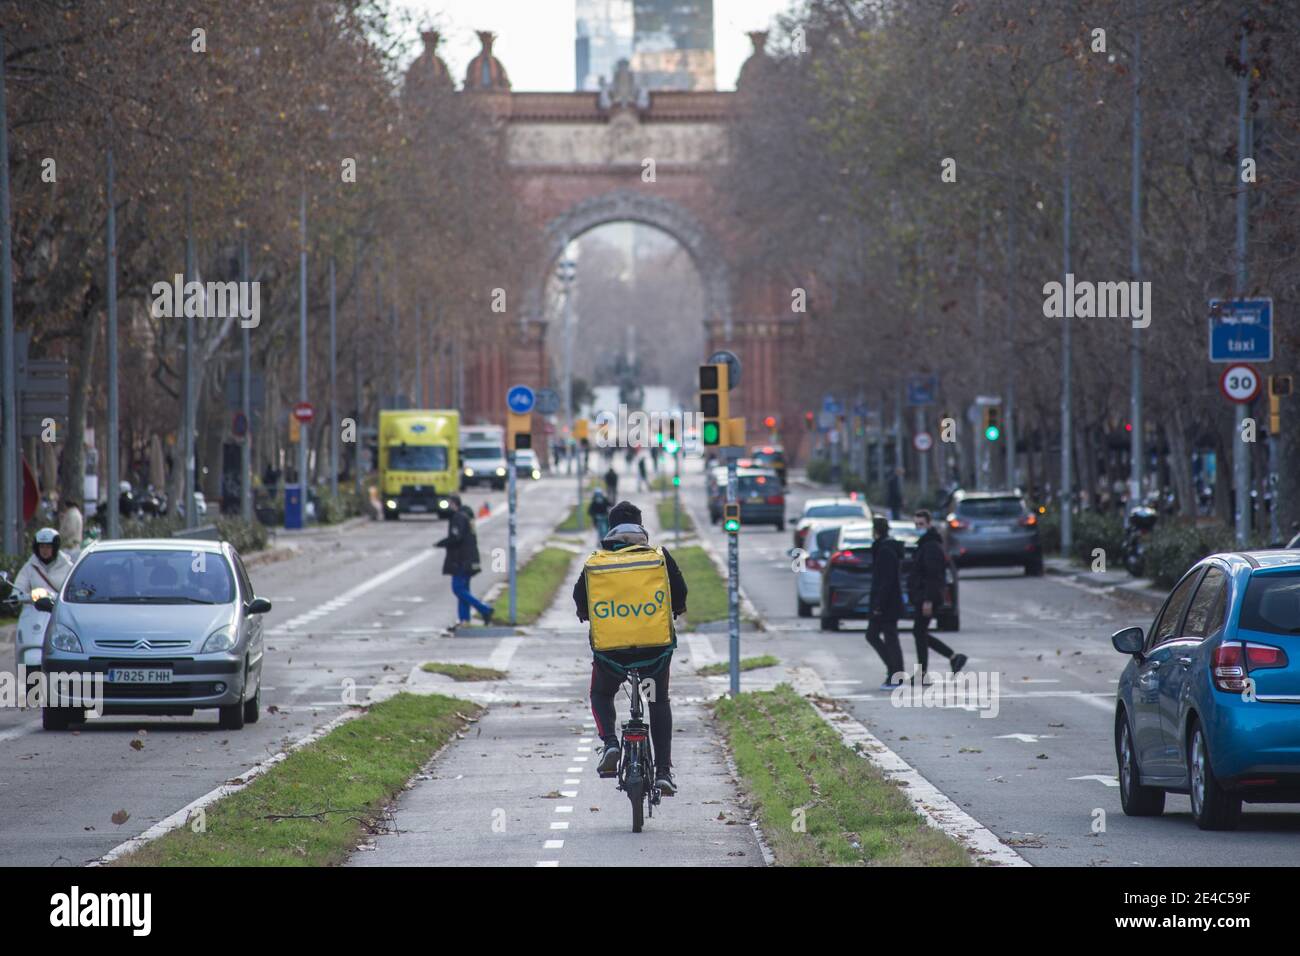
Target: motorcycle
[(1137, 529), (30, 634)]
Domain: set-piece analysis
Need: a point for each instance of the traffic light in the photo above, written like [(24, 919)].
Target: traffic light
[(580, 429), (731, 518), (1279, 387), (769, 422), (992, 422), (808, 420), (714, 407), (670, 444), (519, 430)]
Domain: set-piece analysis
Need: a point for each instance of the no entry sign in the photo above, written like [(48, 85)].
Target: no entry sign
[(304, 412)]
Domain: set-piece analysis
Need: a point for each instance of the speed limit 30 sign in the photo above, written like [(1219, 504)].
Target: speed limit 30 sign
[(1240, 383)]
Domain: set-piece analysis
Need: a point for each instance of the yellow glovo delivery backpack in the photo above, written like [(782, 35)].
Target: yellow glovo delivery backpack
[(628, 599)]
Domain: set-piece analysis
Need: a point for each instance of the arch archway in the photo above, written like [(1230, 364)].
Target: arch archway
[(626, 205)]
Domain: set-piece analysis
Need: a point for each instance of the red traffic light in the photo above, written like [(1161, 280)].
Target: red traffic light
[(769, 422)]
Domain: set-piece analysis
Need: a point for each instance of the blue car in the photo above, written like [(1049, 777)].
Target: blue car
[(1210, 703)]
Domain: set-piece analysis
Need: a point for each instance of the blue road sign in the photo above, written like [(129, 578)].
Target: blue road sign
[(922, 389), (831, 406), (860, 409), (1241, 330), (520, 399)]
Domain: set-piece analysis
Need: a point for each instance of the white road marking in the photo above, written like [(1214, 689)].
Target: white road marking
[(564, 808), (572, 780), (552, 844), (560, 825), (569, 793), (505, 650), (548, 863), (701, 651), (573, 770), (352, 594), (584, 750), (21, 731), (1100, 778), (1024, 738)]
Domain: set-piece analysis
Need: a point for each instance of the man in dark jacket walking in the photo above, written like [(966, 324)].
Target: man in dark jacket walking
[(925, 587), (886, 601), (462, 561)]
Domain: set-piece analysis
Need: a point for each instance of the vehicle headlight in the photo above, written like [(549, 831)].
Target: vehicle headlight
[(390, 504), (470, 472), (501, 472), (222, 639), (443, 504), (536, 473), (65, 640)]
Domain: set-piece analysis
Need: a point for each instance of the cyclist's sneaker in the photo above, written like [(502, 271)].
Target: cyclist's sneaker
[(665, 782), (608, 766)]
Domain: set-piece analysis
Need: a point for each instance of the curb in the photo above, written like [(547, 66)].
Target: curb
[(1139, 588)]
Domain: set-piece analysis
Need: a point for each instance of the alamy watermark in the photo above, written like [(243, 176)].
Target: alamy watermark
[(37, 689), (208, 300), (1102, 300), (967, 690), (639, 428)]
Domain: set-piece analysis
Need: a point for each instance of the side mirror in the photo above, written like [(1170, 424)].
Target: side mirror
[(44, 603), (259, 605), (1128, 641)]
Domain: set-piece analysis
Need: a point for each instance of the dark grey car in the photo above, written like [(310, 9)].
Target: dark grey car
[(173, 626), (993, 528)]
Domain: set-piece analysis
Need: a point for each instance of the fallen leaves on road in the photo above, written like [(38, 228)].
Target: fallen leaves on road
[(137, 744), (120, 817)]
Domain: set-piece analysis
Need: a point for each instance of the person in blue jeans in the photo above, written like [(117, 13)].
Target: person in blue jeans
[(462, 561)]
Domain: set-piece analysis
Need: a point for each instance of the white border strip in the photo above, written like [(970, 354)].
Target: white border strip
[(179, 818), (929, 801)]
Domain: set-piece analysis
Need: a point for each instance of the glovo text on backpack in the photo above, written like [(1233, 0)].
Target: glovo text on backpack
[(628, 599)]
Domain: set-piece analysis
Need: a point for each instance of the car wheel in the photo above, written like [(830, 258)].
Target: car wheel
[(830, 624), (1136, 799), (55, 718), (1213, 808), (805, 609), (1034, 568), (779, 525), (950, 622), (253, 707)]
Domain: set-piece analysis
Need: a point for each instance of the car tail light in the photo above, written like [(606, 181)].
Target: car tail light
[(1264, 656), (1229, 667), (814, 564), (853, 496), (1029, 520), (776, 499), (957, 524), (799, 535), (845, 557)]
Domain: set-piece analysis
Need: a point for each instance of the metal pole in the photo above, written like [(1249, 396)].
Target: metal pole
[(187, 445), (419, 356), (398, 395), (1240, 456), (1137, 441), (924, 456), (733, 582), (9, 477), (334, 401), (356, 373), (582, 515), (114, 469), (245, 401), (513, 501), (302, 348), (1008, 417), (677, 498), (1067, 533)]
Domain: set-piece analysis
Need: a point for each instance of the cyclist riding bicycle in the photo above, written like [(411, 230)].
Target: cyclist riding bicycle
[(641, 640)]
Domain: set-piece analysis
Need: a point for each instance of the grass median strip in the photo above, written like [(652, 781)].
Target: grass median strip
[(463, 672), (666, 518), (819, 803), (706, 591), (746, 664), (536, 584), (313, 807)]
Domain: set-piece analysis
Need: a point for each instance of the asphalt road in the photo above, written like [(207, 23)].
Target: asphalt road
[(1041, 773), (362, 605)]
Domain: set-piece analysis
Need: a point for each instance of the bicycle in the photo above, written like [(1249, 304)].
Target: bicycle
[(636, 761)]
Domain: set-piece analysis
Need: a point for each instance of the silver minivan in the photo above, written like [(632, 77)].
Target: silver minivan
[(173, 626)]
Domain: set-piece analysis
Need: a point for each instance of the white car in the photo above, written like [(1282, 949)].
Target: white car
[(821, 537), (850, 508), (527, 465)]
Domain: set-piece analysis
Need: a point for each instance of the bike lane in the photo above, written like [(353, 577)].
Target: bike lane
[(520, 788)]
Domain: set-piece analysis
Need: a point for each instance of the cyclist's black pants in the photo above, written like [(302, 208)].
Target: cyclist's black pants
[(605, 683)]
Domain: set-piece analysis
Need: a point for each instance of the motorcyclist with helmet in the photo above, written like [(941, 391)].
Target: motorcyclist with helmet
[(47, 568)]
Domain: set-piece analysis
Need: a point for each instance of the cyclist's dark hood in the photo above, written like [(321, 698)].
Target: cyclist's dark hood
[(622, 535)]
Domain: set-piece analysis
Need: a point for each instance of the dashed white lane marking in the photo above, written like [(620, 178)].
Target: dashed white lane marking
[(560, 825), (352, 594), (564, 808), (1101, 778), (579, 759), (552, 844), (569, 780), (573, 770), (505, 650), (584, 750), (570, 794), (1104, 701), (548, 862), (1025, 738)]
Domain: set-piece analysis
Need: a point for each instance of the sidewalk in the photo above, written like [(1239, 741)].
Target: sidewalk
[(1111, 581), (522, 789)]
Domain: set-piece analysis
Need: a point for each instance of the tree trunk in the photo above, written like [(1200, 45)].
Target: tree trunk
[(72, 482)]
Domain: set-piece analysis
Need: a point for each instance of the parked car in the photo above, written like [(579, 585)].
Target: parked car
[(993, 528), (821, 537), (173, 626), (846, 580), (1207, 705), (818, 509)]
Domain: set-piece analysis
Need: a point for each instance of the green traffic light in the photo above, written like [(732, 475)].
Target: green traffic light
[(670, 446), (731, 525), (993, 433), (676, 480), (710, 432)]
